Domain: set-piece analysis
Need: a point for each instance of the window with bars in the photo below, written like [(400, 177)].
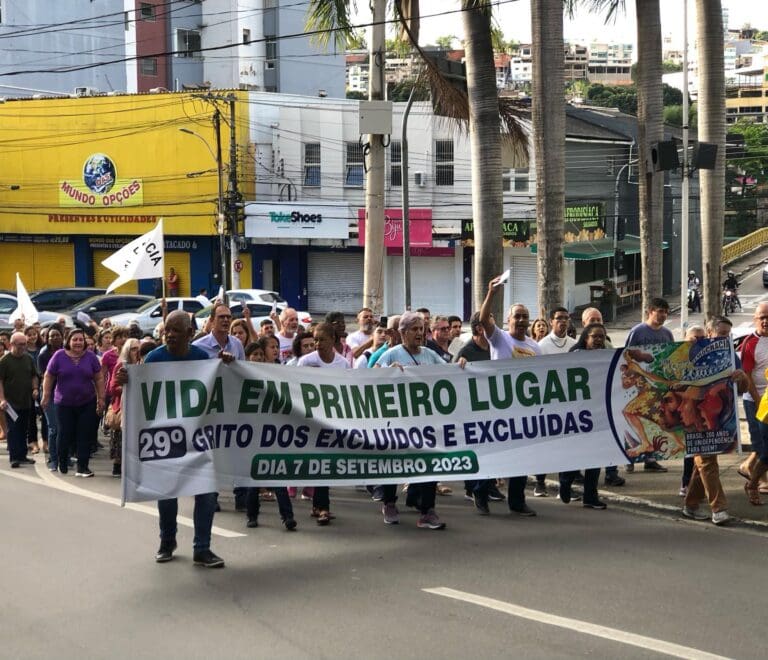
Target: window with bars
[(516, 180), (187, 43), (395, 164), (444, 162), (312, 174), (149, 66), (355, 165)]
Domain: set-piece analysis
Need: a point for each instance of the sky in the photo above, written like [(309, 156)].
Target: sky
[(514, 19)]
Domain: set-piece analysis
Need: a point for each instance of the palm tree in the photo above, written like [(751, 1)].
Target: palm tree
[(548, 125), (480, 107), (650, 120), (485, 147), (711, 128), (650, 131)]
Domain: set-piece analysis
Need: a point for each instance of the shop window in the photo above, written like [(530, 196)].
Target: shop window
[(312, 174), (355, 170), (444, 162), (149, 66), (147, 11), (395, 164), (187, 43)]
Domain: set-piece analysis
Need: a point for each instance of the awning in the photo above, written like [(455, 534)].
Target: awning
[(599, 249)]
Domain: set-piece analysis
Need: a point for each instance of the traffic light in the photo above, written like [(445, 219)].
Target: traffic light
[(618, 260)]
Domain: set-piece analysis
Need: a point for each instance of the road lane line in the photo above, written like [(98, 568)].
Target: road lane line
[(612, 634), (46, 478)]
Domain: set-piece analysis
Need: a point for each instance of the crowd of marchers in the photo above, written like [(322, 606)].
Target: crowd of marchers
[(59, 386)]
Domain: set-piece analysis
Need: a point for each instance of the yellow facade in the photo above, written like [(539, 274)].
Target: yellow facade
[(148, 167)]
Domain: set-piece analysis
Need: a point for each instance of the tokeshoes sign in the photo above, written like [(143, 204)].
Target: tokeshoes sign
[(99, 187), (291, 220)]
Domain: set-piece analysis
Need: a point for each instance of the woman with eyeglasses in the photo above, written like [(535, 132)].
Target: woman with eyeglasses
[(412, 352), (592, 338)]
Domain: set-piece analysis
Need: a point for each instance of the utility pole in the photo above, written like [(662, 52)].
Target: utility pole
[(373, 263), (233, 197), (221, 216)]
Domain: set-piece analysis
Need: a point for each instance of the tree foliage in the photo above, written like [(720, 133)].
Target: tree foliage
[(624, 97)]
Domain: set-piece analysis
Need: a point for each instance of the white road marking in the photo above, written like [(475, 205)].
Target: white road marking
[(612, 634), (46, 478)]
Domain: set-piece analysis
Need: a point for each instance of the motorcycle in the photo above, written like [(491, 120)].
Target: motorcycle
[(694, 300), (729, 302)]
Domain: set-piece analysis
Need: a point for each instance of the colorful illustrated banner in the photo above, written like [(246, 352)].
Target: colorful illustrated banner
[(194, 427)]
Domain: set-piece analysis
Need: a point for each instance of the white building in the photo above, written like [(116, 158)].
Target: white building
[(303, 227)]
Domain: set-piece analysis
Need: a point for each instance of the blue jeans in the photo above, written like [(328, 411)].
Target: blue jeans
[(77, 430), (758, 431), (53, 435), (205, 507), (17, 436)]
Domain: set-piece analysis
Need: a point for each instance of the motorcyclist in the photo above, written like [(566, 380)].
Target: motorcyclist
[(730, 283), (694, 292)]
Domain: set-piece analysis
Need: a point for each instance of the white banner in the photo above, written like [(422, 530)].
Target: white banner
[(141, 259), (194, 427)]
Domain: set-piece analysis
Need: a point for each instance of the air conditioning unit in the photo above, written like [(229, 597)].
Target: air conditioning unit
[(419, 179), (85, 91)]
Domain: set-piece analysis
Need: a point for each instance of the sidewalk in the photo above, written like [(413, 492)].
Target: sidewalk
[(659, 491)]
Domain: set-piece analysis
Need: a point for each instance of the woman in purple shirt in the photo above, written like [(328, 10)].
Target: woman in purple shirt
[(79, 398)]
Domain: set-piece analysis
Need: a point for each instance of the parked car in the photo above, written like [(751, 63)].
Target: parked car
[(61, 299), (8, 303), (150, 314), (270, 298), (109, 305), (259, 312)]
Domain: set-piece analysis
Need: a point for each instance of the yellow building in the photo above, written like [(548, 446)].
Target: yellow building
[(748, 99), (81, 177)]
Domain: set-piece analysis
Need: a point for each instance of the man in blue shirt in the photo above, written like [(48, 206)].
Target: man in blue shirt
[(218, 340), (178, 333)]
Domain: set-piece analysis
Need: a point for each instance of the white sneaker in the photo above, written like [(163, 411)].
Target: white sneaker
[(694, 514), (720, 517)]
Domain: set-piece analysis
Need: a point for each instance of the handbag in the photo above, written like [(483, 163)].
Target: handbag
[(113, 419)]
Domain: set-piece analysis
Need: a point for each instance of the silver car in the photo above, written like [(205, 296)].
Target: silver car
[(151, 313)]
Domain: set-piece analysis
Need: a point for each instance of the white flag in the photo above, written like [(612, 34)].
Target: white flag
[(25, 309), (141, 259)]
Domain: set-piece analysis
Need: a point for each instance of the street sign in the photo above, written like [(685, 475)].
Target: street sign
[(238, 265)]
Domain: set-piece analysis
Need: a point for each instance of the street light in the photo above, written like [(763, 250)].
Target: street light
[(221, 222)]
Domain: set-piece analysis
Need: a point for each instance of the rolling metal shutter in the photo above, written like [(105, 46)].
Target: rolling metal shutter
[(40, 265), (335, 282), (524, 288), (433, 285)]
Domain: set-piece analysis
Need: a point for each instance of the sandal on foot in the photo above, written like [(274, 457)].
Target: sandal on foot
[(753, 495)]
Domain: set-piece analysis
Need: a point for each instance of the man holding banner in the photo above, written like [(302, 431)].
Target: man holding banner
[(512, 344), (178, 335)]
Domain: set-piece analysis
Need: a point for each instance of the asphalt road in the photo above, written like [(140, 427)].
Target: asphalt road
[(79, 581)]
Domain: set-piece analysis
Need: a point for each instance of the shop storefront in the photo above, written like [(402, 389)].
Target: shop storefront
[(84, 176)]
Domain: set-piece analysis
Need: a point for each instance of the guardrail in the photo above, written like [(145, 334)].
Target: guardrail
[(744, 245)]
